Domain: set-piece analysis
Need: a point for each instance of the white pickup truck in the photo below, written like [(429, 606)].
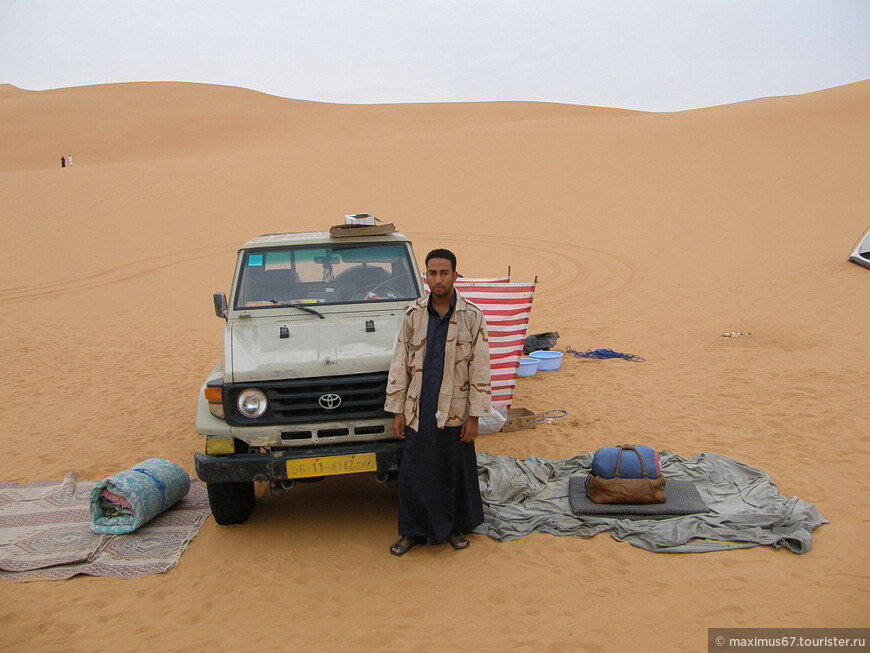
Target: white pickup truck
[(299, 395)]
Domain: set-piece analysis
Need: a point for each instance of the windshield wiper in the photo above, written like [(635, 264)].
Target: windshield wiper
[(301, 307)]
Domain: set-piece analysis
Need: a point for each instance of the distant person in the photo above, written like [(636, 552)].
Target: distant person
[(438, 387), (69, 160), (63, 162)]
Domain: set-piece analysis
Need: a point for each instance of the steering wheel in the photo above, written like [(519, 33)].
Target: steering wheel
[(384, 291), (388, 290)]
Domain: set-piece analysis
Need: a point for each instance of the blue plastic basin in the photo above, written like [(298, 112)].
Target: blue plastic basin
[(528, 366), (548, 360)]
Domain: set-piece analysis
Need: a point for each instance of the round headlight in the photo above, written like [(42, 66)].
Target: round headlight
[(252, 402)]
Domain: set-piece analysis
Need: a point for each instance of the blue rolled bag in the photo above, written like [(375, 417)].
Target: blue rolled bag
[(122, 503), (604, 462), (626, 475)]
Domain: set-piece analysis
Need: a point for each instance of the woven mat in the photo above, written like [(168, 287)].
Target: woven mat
[(681, 498), (45, 534)]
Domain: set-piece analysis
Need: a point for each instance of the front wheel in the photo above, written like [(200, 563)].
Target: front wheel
[(231, 503)]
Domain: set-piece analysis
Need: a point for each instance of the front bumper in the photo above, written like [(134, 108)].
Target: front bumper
[(243, 467)]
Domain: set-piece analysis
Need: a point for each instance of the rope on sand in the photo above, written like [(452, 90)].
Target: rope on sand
[(604, 353)]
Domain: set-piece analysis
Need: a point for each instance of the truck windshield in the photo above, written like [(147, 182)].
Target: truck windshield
[(331, 274)]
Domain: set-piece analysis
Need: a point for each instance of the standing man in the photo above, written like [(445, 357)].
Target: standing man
[(439, 385)]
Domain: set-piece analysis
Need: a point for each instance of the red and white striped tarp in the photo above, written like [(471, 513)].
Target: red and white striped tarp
[(506, 307), (506, 279), (481, 280)]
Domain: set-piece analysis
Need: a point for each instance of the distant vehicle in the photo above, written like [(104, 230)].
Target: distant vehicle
[(861, 253), (310, 327)]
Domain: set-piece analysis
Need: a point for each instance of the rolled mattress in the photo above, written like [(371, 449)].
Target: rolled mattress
[(124, 502)]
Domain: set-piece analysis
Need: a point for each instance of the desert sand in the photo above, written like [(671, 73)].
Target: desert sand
[(650, 234)]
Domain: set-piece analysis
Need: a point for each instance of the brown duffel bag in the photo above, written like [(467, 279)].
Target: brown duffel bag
[(626, 490)]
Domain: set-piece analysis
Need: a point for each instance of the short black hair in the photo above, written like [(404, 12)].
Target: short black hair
[(442, 253)]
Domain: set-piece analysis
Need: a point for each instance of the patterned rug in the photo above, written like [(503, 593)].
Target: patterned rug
[(45, 534)]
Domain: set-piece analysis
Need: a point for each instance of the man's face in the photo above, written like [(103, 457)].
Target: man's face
[(440, 276)]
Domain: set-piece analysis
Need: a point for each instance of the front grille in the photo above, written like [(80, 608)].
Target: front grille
[(297, 401)]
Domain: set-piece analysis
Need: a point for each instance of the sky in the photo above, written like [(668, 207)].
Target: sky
[(648, 55)]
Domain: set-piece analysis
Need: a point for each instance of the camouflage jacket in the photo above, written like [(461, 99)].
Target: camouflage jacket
[(465, 383)]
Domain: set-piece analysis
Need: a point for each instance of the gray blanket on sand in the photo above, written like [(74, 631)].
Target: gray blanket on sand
[(746, 509)]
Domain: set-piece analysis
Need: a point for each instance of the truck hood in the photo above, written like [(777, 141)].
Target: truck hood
[(340, 344)]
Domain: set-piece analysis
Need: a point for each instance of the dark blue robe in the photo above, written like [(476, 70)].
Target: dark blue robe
[(438, 488)]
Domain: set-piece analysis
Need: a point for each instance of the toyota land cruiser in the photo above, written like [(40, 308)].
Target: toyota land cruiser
[(311, 322)]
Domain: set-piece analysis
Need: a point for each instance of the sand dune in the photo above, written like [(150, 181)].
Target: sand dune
[(131, 122), (649, 233)]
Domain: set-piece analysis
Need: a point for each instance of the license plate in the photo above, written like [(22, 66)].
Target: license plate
[(332, 465)]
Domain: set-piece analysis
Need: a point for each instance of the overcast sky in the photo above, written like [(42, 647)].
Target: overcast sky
[(653, 55)]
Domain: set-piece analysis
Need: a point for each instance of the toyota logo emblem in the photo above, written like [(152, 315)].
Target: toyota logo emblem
[(329, 402)]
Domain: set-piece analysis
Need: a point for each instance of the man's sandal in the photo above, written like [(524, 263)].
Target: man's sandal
[(457, 541), (404, 544)]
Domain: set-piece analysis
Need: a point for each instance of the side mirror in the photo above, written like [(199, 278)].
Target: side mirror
[(220, 305)]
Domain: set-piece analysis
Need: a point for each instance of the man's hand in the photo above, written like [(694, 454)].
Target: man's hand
[(469, 430), (399, 425)]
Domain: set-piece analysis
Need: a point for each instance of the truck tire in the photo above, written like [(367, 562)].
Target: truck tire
[(231, 503)]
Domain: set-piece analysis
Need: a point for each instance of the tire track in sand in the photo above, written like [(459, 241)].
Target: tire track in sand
[(107, 276), (568, 270)]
